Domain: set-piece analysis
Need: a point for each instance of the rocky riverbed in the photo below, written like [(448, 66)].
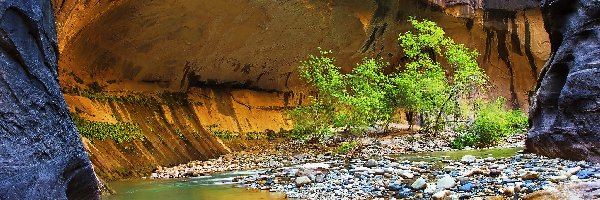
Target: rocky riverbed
[(388, 168), (389, 178)]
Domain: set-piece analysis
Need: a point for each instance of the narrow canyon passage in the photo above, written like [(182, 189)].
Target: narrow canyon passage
[(299, 99)]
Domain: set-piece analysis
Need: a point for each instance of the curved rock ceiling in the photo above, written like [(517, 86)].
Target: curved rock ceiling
[(140, 44)]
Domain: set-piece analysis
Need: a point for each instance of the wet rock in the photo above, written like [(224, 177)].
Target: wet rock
[(41, 153), (371, 163), (564, 115), (467, 187), (446, 182), (419, 184)]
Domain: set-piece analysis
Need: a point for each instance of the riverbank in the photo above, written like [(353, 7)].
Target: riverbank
[(406, 166)]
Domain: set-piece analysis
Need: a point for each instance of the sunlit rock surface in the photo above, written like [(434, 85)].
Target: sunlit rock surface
[(565, 117), (238, 60), (41, 155)]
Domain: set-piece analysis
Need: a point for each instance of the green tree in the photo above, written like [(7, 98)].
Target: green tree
[(427, 87), (351, 101), (441, 91)]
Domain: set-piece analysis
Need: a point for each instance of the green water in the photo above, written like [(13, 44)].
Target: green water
[(457, 155), (216, 187), (220, 187)]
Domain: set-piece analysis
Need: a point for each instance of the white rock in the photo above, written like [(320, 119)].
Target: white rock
[(303, 180), (316, 166), (573, 170), (446, 182), (557, 179), (441, 195), (419, 184), (406, 174), (360, 169), (430, 188), (573, 178), (468, 159)]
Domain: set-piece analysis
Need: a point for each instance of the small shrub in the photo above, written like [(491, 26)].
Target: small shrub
[(464, 140), (180, 134), (255, 136), (95, 87), (226, 135), (492, 123), (346, 146), (119, 132)]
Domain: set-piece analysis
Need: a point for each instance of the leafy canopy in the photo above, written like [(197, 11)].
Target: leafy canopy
[(439, 81)]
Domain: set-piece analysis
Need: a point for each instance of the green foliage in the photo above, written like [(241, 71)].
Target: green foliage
[(180, 134), (464, 140), (351, 101), (226, 135), (119, 132), (492, 123), (346, 146), (425, 87), (367, 95), (255, 136)]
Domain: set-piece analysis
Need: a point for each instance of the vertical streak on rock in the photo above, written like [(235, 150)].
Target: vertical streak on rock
[(41, 154), (528, 53), (496, 21), (504, 56)]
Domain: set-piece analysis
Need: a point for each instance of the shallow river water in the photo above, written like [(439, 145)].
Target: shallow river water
[(220, 187)]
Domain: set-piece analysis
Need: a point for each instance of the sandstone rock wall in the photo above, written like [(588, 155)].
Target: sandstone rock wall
[(178, 131), (259, 44)]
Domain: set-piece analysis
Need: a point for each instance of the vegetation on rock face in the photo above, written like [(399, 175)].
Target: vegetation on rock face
[(443, 93), (119, 132)]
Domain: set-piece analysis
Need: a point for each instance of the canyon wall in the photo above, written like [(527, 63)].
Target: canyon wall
[(565, 116), (182, 127), (41, 155), (235, 47)]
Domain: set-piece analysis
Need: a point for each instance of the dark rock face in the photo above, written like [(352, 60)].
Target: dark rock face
[(565, 116), (41, 155)]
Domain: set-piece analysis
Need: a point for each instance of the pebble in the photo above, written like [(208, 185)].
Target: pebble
[(376, 171), (371, 163)]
